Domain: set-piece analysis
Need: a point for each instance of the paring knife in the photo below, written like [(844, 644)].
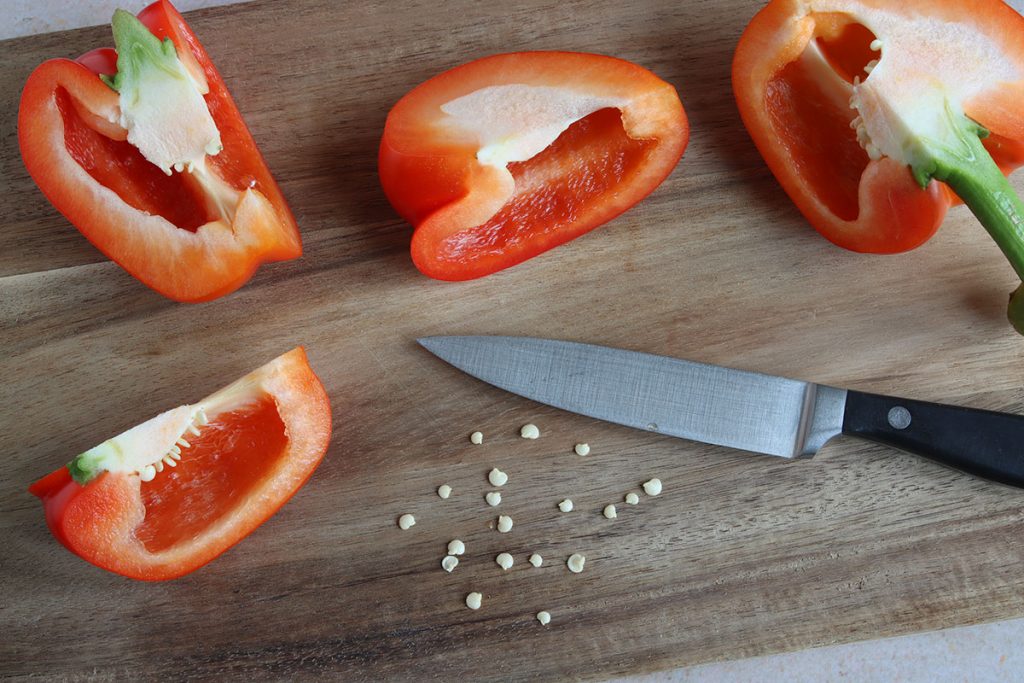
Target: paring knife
[(735, 408)]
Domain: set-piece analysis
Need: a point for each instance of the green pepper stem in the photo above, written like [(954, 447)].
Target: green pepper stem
[(971, 172)]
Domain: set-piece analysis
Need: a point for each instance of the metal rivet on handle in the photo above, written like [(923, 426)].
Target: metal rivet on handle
[(899, 417)]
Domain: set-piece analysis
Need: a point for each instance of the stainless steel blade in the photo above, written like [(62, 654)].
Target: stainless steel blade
[(709, 403)]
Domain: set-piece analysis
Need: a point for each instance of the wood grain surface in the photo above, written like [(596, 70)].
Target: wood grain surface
[(739, 556)]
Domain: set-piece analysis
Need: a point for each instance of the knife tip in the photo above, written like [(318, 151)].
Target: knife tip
[(430, 343)]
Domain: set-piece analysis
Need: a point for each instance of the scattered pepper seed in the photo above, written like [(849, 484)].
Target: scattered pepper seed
[(575, 563), (582, 449), (632, 498), (444, 490), (497, 477), (456, 547), (406, 521), (493, 498), (476, 438), (473, 600), (504, 561), (504, 524), (544, 618), (652, 487), (565, 505), (610, 512), (536, 560), (529, 431), (449, 563)]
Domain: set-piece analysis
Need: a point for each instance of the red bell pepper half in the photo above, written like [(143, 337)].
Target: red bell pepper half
[(169, 495), (874, 116), (503, 158), (154, 165)]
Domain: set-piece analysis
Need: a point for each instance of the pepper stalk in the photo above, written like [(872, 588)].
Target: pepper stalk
[(961, 161)]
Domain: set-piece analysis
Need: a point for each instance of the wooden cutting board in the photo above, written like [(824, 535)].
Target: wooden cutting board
[(739, 556)]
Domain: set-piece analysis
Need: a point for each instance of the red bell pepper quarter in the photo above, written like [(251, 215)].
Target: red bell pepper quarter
[(154, 165), (503, 158), (167, 496), (874, 116)]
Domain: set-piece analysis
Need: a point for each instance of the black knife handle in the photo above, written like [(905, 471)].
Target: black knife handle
[(981, 442)]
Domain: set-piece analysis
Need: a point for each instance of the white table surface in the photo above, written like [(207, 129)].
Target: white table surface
[(979, 654)]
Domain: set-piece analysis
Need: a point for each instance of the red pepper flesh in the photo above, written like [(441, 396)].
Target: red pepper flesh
[(164, 230), (503, 158), (793, 74), (260, 441)]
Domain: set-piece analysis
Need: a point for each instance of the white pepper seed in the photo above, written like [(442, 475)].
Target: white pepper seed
[(497, 477), (652, 487)]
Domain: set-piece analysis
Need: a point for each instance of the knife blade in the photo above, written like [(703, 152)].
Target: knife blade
[(734, 408)]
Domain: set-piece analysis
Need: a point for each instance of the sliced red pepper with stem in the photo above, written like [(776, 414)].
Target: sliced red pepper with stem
[(876, 116), (503, 158), (167, 496), (145, 152)]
